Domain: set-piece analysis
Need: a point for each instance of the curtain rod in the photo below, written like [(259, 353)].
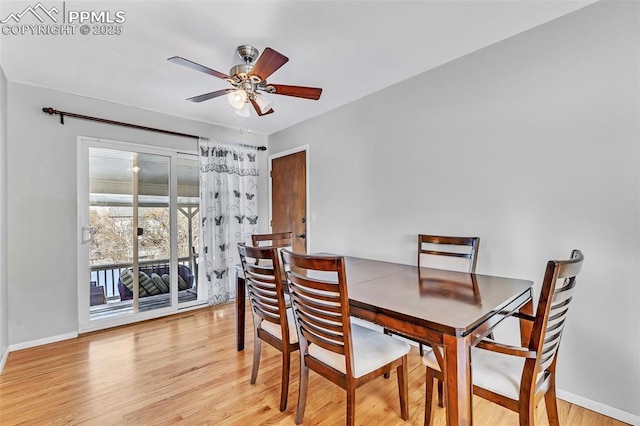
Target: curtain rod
[(51, 111)]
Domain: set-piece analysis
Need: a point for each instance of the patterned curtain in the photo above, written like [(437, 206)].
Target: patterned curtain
[(229, 209)]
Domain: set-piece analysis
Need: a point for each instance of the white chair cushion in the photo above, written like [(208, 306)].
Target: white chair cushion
[(497, 372), (371, 350), (493, 371), (276, 331)]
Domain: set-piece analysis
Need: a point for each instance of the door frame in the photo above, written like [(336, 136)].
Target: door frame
[(84, 143), (272, 157)]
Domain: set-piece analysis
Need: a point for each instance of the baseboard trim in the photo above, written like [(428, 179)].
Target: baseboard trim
[(3, 361), (45, 341), (598, 407)]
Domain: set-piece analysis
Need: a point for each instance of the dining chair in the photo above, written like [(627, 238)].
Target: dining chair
[(272, 321), (445, 252), (347, 354), (518, 377)]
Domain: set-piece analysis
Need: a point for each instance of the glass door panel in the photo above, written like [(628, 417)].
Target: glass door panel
[(129, 252), (153, 231), (189, 227)]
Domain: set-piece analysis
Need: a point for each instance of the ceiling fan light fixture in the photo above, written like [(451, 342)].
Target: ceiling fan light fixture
[(263, 103), (237, 98), (244, 111)]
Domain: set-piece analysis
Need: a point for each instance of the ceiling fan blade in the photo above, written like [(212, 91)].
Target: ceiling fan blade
[(190, 64), (257, 108), (268, 63), (208, 96), (297, 91)]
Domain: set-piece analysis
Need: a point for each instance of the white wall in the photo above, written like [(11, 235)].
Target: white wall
[(42, 198), (531, 144), (4, 305)]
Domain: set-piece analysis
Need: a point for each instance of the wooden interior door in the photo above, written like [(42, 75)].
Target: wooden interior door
[(289, 197)]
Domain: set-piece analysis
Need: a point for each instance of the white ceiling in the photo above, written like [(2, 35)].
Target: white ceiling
[(349, 48)]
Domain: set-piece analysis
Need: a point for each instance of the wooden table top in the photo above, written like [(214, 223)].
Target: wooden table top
[(450, 302)]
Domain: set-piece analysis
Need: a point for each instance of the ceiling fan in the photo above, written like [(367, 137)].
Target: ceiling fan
[(249, 81)]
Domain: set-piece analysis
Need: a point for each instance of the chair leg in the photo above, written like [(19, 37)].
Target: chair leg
[(403, 388), (421, 349), (284, 386), (527, 412), (351, 405), (551, 403), (440, 393), (388, 333), (302, 391), (257, 346), (428, 397)]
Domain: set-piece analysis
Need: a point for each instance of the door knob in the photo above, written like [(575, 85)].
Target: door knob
[(303, 235)]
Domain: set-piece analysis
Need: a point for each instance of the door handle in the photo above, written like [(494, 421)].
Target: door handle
[(87, 234), (303, 235)]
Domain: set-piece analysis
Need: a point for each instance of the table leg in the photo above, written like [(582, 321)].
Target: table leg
[(457, 351), (526, 326), (240, 312)]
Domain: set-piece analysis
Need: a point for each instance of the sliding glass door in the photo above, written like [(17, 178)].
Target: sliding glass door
[(138, 212)]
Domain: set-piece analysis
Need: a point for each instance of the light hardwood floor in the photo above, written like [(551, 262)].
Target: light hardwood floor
[(184, 369)]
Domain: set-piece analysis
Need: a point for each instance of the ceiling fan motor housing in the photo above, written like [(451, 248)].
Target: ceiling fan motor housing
[(247, 53), (241, 70)]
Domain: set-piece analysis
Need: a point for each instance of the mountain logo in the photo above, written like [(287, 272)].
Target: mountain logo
[(39, 11)]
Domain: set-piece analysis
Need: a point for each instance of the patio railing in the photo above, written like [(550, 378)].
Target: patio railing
[(108, 275)]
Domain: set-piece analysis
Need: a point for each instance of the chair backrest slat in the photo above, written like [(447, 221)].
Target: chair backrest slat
[(558, 314), (328, 324), (317, 307), (265, 270), (326, 335), (446, 253), (333, 346), (437, 248), (316, 289)]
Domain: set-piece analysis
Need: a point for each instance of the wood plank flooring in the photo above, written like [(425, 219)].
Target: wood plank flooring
[(184, 369)]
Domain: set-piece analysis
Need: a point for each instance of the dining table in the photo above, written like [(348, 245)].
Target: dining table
[(449, 310)]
